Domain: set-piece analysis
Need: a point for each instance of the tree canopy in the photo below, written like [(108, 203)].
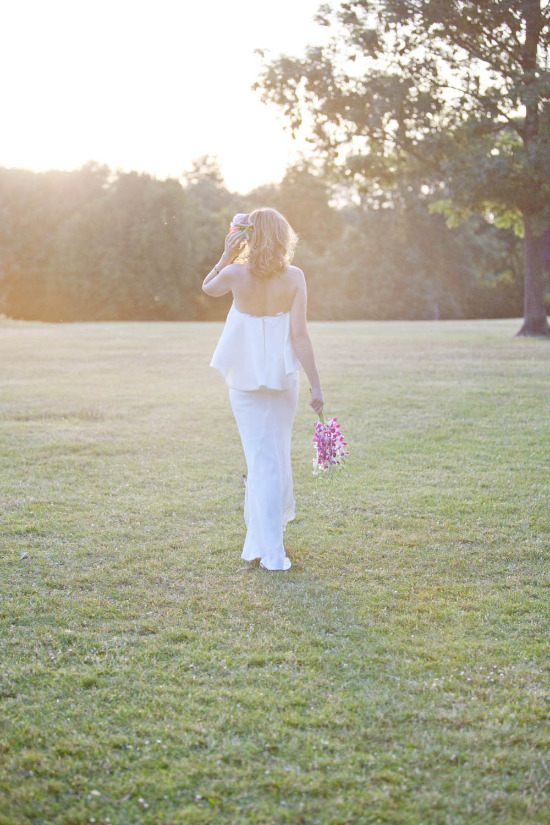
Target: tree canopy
[(451, 92)]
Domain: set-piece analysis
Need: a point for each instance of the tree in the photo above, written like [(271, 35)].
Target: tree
[(453, 90), (33, 209), (130, 254), (305, 200), (205, 182)]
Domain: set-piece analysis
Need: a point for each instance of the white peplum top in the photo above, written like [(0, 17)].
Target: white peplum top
[(256, 351)]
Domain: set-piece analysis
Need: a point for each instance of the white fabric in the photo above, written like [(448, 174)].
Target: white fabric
[(264, 418), (256, 351), (256, 358)]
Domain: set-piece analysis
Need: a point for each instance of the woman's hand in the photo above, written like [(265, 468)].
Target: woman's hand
[(233, 247), (216, 283), (317, 402)]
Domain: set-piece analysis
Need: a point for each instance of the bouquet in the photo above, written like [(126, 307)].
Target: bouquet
[(330, 445), (240, 224)]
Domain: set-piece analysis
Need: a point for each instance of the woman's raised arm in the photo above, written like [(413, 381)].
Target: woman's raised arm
[(219, 280)]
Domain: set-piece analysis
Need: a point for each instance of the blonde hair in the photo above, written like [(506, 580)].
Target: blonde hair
[(271, 243)]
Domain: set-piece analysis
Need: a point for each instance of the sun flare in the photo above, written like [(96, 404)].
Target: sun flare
[(147, 86)]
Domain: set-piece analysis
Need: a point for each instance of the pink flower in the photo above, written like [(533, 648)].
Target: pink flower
[(330, 444), (240, 224)]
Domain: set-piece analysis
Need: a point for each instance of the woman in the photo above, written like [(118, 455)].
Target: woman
[(264, 341)]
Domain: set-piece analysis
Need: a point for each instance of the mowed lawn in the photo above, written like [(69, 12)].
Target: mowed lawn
[(398, 673)]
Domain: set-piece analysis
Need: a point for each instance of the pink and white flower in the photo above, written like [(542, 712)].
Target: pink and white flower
[(240, 224), (330, 445)]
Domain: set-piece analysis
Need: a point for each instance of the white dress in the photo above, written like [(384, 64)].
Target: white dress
[(256, 358)]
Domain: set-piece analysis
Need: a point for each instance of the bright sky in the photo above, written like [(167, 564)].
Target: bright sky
[(147, 84)]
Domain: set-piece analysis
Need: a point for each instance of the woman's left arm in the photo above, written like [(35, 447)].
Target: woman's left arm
[(219, 280)]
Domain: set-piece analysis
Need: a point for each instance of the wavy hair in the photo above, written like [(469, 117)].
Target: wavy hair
[(271, 243)]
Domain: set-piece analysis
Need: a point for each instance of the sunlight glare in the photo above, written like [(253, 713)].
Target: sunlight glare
[(147, 86)]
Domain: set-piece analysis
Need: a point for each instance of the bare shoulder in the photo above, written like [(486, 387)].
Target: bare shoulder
[(235, 272), (235, 269), (297, 276)]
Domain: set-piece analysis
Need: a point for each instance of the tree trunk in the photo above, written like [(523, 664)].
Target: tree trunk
[(534, 305)]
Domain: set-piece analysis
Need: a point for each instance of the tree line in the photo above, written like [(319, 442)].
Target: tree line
[(427, 193), (97, 244)]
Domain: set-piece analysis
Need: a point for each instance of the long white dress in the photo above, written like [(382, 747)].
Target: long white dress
[(256, 358)]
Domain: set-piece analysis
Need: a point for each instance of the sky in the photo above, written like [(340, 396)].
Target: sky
[(148, 85)]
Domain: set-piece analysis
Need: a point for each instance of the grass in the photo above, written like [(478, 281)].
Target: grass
[(397, 674)]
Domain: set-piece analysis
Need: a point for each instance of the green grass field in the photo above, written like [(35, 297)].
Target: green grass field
[(398, 673)]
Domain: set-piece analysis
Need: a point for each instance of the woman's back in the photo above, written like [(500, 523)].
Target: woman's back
[(259, 296), (263, 342), (274, 289)]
